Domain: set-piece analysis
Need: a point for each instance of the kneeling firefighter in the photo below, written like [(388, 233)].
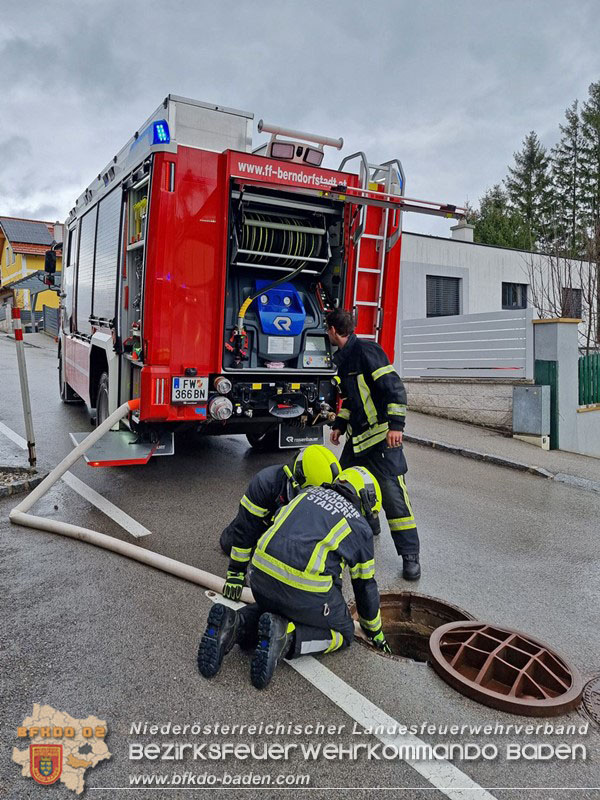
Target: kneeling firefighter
[(297, 581), (272, 488)]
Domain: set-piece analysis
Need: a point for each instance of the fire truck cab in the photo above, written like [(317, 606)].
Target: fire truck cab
[(197, 274)]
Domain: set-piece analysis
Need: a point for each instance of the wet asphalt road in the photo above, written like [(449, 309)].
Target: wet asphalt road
[(90, 632)]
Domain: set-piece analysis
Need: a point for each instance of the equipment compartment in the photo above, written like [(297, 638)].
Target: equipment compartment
[(285, 271)]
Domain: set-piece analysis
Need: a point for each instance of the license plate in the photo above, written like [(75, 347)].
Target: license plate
[(189, 390)]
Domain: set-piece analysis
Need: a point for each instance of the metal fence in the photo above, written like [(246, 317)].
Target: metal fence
[(51, 320), (31, 325), (589, 379), (495, 345)]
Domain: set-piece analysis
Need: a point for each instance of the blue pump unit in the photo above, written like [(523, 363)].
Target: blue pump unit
[(280, 310)]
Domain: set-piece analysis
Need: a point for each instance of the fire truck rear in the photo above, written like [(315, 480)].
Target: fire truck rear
[(197, 274)]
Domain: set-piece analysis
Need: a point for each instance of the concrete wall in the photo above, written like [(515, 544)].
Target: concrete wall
[(578, 432), (587, 440), (477, 401)]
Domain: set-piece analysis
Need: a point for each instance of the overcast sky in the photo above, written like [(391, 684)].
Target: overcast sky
[(450, 88)]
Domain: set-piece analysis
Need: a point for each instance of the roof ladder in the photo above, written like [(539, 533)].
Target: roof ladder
[(372, 248)]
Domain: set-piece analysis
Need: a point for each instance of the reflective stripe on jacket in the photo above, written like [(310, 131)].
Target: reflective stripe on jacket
[(305, 550), (374, 397), (268, 491)]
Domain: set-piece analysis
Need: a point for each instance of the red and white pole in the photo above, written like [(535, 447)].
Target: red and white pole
[(18, 330)]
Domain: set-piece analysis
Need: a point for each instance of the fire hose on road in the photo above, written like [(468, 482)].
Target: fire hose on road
[(20, 516)]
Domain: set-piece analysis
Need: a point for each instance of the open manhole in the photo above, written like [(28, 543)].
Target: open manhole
[(505, 669), (591, 700), (409, 619)]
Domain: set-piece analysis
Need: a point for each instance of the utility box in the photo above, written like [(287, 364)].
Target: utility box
[(531, 410)]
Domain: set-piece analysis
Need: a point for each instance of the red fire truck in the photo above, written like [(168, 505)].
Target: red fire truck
[(197, 273)]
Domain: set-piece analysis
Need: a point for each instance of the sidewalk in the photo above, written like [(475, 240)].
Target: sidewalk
[(40, 340), (484, 444)]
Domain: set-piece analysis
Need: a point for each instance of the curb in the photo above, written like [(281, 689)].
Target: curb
[(30, 482), (540, 472)]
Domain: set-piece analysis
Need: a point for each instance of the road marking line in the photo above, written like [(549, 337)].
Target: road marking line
[(10, 434), (443, 775), (117, 514), (454, 783)]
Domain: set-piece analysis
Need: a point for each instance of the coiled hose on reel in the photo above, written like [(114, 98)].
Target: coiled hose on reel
[(275, 241)]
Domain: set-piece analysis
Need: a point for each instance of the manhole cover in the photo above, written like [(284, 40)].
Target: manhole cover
[(591, 699), (409, 618), (505, 669)]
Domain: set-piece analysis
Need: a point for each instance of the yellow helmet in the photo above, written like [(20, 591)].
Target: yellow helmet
[(366, 487), (315, 465)]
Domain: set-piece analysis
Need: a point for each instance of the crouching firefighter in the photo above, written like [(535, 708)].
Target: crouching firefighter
[(272, 488), (296, 580)]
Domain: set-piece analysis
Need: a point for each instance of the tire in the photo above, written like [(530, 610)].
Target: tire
[(67, 395), (102, 406), (265, 440)]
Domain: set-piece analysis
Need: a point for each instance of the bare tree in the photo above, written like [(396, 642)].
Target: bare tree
[(555, 281)]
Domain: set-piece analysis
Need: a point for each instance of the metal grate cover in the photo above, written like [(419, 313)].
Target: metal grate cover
[(591, 699), (505, 669)]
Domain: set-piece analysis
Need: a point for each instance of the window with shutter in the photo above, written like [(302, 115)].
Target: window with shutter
[(443, 296)]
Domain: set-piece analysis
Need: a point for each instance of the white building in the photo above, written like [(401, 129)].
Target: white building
[(444, 276)]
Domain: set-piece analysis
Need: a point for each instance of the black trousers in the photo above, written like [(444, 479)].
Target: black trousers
[(320, 627), (389, 467)]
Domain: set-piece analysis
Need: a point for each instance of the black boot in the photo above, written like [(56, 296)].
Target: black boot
[(274, 642), (224, 628), (411, 570)]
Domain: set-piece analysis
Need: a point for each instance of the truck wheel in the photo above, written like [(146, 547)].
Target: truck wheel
[(67, 395), (102, 399), (265, 441)]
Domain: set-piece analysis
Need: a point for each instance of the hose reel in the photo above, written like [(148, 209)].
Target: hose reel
[(279, 240)]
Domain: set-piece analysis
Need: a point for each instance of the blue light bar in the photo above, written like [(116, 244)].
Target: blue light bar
[(161, 134)]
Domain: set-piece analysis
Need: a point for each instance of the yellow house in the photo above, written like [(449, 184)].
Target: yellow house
[(23, 244)]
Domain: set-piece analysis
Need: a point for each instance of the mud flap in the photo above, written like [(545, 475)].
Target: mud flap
[(122, 449)]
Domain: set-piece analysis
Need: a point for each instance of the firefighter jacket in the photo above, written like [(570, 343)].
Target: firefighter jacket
[(298, 562), (269, 489), (373, 395)]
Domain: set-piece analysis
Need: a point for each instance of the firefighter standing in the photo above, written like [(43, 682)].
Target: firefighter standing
[(372, 417), (274, 487), (297, 584)]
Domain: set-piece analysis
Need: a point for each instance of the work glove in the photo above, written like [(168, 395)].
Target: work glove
[(234, 584), (380, 642)]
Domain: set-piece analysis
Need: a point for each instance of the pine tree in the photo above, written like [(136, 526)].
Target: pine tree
[(590, 119), (529, 190), (497, 224), (568, 184)]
